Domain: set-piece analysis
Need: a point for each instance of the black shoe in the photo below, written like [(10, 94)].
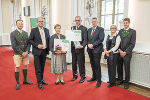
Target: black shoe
[(17, 86), (82, 79), (110, 85), (98, 84), (119, 82), (126, 86), (27, 82), (57, 83), (45, 83), (62, 82), (40, 86), (92, 79), (74, 78)]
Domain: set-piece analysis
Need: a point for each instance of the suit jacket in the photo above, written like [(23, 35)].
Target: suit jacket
[(52, 41), (97, 39), (127, 43), (35, 40), (19, 44), (83, 37)]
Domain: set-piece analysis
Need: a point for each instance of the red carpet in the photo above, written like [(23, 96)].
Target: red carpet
[(70, 91)]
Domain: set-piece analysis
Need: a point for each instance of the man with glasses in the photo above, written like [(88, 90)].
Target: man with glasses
[(95, 49), (77, 49), (39, 38)]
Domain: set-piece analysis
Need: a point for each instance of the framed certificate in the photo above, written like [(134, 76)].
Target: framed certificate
[(74, 35), (61, 44)]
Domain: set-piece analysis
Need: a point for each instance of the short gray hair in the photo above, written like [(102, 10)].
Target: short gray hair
[(114, 26), (40, 18), (77, 17)]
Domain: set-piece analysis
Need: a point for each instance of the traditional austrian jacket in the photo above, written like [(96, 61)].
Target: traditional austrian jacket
[(19, 42)]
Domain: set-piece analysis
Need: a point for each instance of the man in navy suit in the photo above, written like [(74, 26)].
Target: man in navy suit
[(39, 38), (95, 48)]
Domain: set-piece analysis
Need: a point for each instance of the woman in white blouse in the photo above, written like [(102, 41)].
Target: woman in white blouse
[(111, 54)]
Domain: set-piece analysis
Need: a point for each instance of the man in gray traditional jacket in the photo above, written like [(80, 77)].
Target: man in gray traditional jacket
[(20, 46)]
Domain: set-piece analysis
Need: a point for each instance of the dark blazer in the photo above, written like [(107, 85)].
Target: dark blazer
[(83, 37), (97, 39), (35, 40), (127, 43), (52, 41)]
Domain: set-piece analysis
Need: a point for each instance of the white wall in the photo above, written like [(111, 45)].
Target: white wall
[(140, 18), (6, 16), (1, 25)]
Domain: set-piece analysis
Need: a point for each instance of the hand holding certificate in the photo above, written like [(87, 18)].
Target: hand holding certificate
[(77, 45)]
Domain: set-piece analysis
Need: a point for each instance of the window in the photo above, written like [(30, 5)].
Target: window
[(112, 12)]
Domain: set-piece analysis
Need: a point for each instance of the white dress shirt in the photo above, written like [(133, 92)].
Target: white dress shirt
[(118, 40), (42, 33)]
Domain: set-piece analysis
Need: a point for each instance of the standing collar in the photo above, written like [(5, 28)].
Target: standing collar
[(113, 35), (94, 28), (19, 30), (78, 26), (40, 28), (127, 28)]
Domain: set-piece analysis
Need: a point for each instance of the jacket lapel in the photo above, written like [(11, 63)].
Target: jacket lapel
[(90, 32), (95, 31), (38, 33), (45, 32)]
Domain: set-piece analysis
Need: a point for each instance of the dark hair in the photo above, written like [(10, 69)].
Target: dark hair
[(18, 20), (94, 18), (57, 26), (126, 19)]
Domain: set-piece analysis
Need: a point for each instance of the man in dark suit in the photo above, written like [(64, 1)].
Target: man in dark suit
[(128, 40), (95, 48), (78, 56), (39, 38)]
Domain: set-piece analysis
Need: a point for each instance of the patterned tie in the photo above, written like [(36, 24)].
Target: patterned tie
[(77, 27), (92, 33), (43, 39)]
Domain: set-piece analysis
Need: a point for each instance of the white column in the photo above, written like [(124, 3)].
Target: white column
[(74, 9), (1, 24), (61, 12)]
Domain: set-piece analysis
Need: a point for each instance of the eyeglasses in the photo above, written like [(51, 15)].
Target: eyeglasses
[(112, 28), (40, 21), (77, 20)]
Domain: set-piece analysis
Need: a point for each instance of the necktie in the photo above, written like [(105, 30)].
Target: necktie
[(43, 39), (92, 33), (77, 27)]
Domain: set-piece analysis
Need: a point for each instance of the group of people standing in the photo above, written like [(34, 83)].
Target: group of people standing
[(118, 51)]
